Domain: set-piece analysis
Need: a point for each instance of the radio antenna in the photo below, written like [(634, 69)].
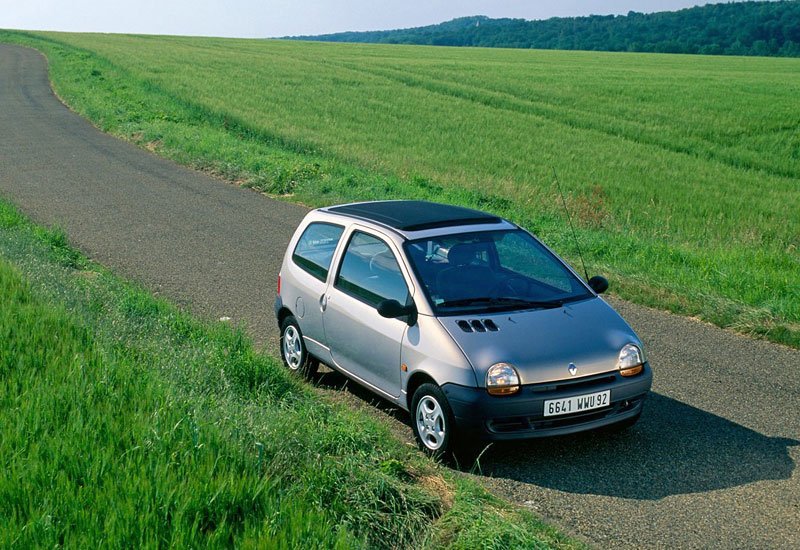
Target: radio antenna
[(572, 228)]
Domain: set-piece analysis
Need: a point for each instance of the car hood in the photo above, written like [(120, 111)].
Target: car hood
[(542, 343)]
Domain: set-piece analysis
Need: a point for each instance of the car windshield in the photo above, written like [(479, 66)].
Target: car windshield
[(491, 271)]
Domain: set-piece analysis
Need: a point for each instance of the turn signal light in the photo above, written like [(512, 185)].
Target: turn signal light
[(503, 390), (633, 371)]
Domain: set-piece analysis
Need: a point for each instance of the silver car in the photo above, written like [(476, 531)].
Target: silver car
[(460, 317)]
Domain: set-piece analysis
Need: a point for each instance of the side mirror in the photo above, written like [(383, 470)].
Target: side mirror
[(598, 284), (392, 309)]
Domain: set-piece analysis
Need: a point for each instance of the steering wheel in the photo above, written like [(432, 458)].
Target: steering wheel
[(373, 261), (513, 286)]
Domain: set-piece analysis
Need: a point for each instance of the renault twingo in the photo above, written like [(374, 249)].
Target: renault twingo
[(460, 317)]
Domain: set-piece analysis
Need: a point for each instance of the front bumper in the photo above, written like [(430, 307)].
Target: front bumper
[(521, 416)]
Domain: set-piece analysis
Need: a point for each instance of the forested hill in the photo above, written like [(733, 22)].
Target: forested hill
[(741, 28)]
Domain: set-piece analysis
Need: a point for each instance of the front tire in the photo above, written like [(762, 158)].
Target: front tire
[(293, 349), (432, 420)]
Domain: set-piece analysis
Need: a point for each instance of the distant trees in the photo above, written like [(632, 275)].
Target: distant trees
[(739, 28)]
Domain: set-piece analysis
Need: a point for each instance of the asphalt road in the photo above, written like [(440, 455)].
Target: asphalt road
[(712, 463)]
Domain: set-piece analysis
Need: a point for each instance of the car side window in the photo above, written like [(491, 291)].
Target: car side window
[(370, 272), (314, 250)]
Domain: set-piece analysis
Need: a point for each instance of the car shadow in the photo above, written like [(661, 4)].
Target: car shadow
[(330, 379), (674, 449)]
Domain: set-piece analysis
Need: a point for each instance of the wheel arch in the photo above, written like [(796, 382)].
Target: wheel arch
[(283, 313), (415, 381)]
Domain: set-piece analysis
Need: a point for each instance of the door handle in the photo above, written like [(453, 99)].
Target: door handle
[(323, 302)]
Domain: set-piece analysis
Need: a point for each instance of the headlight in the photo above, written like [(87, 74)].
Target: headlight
[(502, 379), (631, 360)]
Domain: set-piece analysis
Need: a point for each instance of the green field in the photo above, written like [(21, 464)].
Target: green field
[(126, 423), (682, 172)]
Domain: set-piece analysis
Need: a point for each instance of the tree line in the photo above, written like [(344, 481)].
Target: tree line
[(740, 28)]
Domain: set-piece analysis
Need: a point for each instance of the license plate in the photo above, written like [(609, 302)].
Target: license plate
[(579, 403)]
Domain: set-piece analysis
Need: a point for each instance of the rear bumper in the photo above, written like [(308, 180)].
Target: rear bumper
[(278, 306), (521, 416)]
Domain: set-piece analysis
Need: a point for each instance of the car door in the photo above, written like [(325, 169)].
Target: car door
[(363, 343)]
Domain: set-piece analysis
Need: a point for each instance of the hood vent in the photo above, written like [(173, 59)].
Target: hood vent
[(476, 325)]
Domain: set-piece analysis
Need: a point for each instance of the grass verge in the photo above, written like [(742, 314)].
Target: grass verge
[(124, 422), (698, 223)]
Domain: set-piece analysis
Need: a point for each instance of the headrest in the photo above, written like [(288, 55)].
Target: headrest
[(461, 254)]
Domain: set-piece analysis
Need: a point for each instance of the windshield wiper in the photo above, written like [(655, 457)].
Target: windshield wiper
[(466, 302), (503, 302), (547, 304)]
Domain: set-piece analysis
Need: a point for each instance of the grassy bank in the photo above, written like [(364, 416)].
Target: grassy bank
[(124, 422), (682, 173)]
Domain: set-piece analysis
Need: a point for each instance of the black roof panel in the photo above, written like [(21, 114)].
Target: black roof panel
[(415, 215)]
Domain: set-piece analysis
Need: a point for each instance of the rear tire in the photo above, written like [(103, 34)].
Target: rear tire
[(293, 350), (432, 421)]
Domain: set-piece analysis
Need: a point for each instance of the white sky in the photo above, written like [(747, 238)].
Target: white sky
[(271, 18)]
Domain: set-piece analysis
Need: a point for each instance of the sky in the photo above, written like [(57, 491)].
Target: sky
[(274, 18)]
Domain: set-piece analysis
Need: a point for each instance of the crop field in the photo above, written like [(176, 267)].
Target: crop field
[(682, 173)]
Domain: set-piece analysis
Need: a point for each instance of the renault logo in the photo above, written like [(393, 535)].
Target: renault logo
[(573, 370)]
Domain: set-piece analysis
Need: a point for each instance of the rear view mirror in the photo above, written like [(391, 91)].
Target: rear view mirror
[(392, 309), (598, 284)]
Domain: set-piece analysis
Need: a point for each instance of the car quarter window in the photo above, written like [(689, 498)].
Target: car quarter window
[(314, 250), (370, 272)]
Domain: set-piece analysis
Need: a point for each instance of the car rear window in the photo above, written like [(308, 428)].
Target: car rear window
[(314, 250)]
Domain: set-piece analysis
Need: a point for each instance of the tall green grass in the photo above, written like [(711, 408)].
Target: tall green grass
[(126, 423), (96, 452), (682, 171)]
